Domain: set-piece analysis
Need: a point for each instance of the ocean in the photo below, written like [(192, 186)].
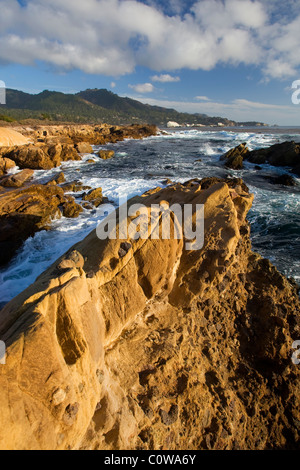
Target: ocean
[(178, 155)]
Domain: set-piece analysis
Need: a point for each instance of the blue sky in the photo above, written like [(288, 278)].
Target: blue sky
[(231, 58)]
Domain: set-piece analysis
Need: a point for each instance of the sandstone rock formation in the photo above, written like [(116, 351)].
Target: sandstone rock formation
[(141, 344), (10, 137), (5, 165), (106, 154), (16, 180)]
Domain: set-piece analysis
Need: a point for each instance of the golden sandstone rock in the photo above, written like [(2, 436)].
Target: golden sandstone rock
[(161, 348)]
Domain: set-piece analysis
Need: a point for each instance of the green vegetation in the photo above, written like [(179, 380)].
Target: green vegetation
[(6, 118), (95, 106)]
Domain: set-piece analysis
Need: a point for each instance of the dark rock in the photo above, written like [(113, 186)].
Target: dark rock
[(285, 180), (234, 158), (23, 212), (284, 154)]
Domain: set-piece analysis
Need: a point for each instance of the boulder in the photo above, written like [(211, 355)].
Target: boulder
[(84, 147), (284, 154), (33, 157), (71, 209), (5, 165), (284, 180), (94, 196), (145, 345), (23, 212), (234, 158), (16, 180), (106, 154)]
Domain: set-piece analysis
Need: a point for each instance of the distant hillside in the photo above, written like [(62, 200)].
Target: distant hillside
[(95, 106)]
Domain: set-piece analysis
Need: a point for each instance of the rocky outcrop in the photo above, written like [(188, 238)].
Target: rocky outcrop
[(5, 165), (86, 134), (106, 154), (10, 137), (234, 158), (16, 180), (141, 344), (42, 157), (52, 145), (284, 154)]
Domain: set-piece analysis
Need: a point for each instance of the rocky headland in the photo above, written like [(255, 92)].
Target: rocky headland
[(141, 344), (26, 207)]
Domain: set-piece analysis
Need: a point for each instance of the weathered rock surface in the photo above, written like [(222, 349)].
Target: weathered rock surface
[(93, 135), (94, 196), (10, 137), (234, 158), (106, 154), (5, 165), (284, 154), (42, 157), (24, 211), (16, 180), (155, 347), (71, 209)]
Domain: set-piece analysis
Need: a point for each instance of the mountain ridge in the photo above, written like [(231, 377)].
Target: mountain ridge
[(97, 105)]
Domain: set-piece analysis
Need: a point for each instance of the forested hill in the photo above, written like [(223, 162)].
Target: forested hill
[(93, 106)]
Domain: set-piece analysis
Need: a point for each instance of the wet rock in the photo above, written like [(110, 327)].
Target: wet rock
[(106, 154), (71, 209), (57, 179), (234, 158), (23, 212), (84, 147), (16, 180), (284, 180), (5, 165), (94, 196), (284, 154)]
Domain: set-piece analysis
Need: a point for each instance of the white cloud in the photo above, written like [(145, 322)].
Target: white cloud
[(202, 98), (113, 85), (165, 78), (112, 37), (142, 87)]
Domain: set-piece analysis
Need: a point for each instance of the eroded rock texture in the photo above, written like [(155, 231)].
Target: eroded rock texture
[(145, 345)]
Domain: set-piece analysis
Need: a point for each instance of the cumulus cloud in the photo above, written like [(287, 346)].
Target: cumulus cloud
[(165, 78), (112, 37), (142, 87)]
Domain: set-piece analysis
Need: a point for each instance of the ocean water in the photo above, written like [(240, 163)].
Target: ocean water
[(143, 164)]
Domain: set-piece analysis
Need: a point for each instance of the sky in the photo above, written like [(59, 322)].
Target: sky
[(231, 58)]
